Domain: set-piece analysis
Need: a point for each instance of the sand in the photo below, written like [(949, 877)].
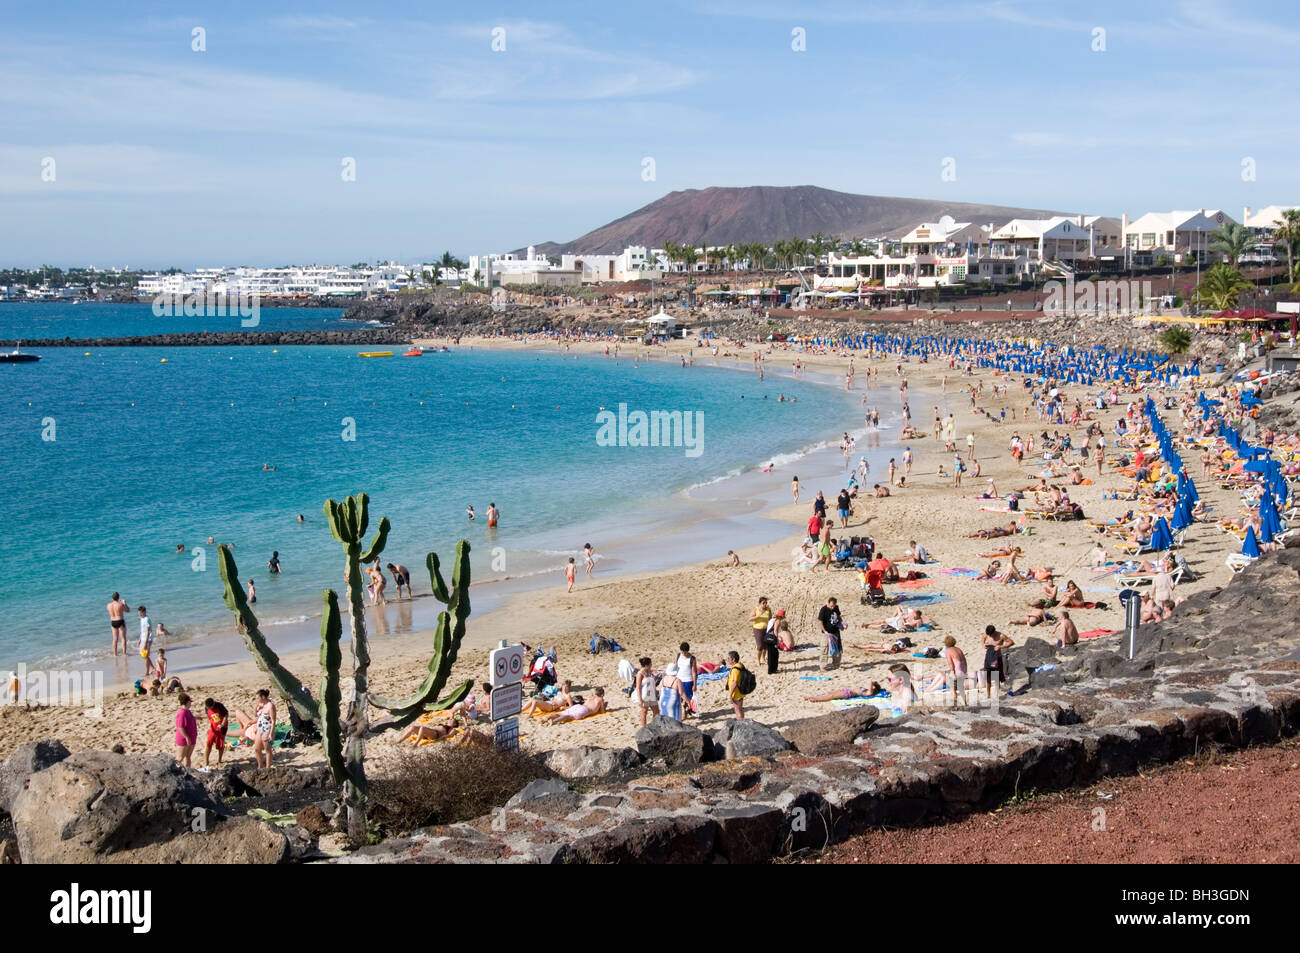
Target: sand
[(708, 604)]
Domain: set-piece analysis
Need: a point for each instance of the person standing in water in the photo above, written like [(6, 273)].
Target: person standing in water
[(401, 577), (117, 610), (273, 564), (794, 488), (493, 514), (252, 593), (589, 558), (469, 510)]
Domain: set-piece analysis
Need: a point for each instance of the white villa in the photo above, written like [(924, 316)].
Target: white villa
[(1175, 233)]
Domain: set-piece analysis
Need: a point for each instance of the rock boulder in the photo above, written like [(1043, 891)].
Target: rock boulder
[(95, 803)]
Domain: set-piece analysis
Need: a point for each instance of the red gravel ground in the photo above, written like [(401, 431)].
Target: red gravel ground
[(1237, 807)]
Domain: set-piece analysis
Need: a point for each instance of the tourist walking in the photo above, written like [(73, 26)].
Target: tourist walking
[(832, 626)]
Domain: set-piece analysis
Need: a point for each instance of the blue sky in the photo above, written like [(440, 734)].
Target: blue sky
[(163, 155)]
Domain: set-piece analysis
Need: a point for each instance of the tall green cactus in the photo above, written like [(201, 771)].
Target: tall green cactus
[(344, 738)]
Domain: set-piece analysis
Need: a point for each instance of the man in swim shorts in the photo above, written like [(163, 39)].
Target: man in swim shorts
[(401, 577), (117, 610)]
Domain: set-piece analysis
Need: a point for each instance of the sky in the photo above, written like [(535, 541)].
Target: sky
[(128, 139)]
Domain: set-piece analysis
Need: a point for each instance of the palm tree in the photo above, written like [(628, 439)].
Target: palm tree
[(857, 247), (1288, 233), (672, 251), (1176, 339), (820, 244), (799, 250), (1232, 241), (781, 253), (1220, 287)]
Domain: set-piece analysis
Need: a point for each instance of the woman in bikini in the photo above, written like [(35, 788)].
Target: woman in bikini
[(564, 699), (261, 728), (582, 709), (836, 694)]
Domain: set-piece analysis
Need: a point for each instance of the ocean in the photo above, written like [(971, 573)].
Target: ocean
[(118, 456)]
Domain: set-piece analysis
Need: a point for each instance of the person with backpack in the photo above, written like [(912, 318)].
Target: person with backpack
[(646, 690), (740, 682)]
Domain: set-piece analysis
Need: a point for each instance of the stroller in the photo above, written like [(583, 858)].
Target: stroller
[(873, 589)]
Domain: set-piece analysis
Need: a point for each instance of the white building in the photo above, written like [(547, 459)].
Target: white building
[(1175, 233)]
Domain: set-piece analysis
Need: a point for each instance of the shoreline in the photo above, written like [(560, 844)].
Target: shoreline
[(672, 533), (705, 602)]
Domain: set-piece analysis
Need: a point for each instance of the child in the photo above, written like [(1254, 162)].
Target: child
[(218, 722), (187, 730), (570, 571)]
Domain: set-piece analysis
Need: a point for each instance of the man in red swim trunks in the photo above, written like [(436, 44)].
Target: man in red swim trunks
[(218, 722)]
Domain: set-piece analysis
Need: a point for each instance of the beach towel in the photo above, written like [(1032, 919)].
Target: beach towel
[(968, 573), (713, 676), (1097, 633), (915, 583), (814, 678), (924, 599), (995, 509)]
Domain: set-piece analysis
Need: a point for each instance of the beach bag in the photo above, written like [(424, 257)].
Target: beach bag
[(747, 681), (649, 692), (769, 640), (600, 644), (932, 652)]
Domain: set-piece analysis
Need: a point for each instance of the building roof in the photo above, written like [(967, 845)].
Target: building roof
[(1270, 217)]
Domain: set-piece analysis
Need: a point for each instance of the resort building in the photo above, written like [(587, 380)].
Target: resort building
[(1176, 233)]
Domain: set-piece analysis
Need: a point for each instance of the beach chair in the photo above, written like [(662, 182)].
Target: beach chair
[(1237, 562)]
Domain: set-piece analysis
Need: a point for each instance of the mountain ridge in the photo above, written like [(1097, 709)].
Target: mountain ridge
[(721, 215)]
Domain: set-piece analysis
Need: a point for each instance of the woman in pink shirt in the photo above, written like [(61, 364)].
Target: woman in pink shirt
[(187, 730)]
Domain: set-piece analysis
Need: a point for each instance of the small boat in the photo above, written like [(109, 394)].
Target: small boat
[(16, 356), (413, 352), (375, 354)]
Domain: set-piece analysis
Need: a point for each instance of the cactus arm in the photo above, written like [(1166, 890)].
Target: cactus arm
[(331, 660), (446, 643), (377, 544), (399, 718), (286, 683), (435, 576)]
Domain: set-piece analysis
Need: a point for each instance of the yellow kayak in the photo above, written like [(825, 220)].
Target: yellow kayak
[(375, 354)]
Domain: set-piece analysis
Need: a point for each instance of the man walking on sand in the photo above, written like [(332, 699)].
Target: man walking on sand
[(117, 610), (832, 625)]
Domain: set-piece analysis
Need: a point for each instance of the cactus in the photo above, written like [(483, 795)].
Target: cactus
[(344, 738)]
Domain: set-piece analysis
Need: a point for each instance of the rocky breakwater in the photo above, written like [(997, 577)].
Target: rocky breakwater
[(267, 338), (1224, 671)]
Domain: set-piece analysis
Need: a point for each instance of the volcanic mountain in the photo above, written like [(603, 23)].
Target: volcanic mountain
[(721, 216)]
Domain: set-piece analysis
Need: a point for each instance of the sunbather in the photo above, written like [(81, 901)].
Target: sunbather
[(579, 710), (997, 532), (836, 694), (563, 699)]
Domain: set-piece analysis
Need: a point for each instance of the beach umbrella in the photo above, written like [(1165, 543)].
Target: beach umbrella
[(1250, 547), (1180, 520), (1160, 535)]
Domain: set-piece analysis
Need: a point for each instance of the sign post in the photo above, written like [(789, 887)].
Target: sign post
[(1132, 603), (505, 674)]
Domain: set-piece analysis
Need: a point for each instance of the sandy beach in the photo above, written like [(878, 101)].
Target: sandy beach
[(707, 604)]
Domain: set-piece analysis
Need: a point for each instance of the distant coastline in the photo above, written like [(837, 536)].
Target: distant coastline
[(381, 335)]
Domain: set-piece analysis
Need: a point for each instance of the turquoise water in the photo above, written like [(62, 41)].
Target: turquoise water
[(30, 321), (148, 453)]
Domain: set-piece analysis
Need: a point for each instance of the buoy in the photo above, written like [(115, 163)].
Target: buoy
[(86, 354), (162, 360)]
